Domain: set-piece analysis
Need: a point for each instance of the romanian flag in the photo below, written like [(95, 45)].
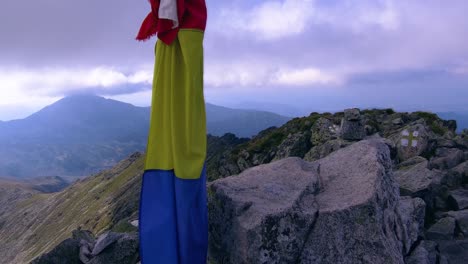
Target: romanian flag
[(173, 209)]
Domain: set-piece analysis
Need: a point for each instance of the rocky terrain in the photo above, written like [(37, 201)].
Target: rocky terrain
[(372, 186)]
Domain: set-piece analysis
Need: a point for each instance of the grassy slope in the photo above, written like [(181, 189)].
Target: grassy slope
[(101, 202)]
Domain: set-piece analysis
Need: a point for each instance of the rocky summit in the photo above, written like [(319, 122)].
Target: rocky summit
[(371, 186), (344, 208)]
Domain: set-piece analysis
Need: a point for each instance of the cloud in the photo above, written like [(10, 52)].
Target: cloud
[(271, 19), (308, 76), (285, 49), (64, 81), (254, 74)]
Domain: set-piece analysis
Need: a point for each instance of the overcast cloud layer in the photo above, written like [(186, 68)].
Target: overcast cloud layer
[(304, 55)]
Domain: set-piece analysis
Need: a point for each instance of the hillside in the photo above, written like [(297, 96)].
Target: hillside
[(81, 135), (97, 203), (32, 222)]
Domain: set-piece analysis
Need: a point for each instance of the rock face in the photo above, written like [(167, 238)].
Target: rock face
[(109, 247), (265, 214), (66, 252), (341, 209), (461, 218), (416, 180), (295, 145), (447, 158), (424, 253), (459, 199), (443, 229), (325, 149)]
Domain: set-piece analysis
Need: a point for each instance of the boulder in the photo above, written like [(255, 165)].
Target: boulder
[(447, 158), (459, 199), (444, 229), (417, 180), (83, 235), (66, 252), (352, 114), (454, 251), (264, 214), (424, 253), (358, 218), (461, 218), (322, 131), (462, 171), (398, 121), (446, 143), (295, 145), (104, 241), (341, 209), (411, 141), (122, 251), (352, 127), (85, 251), (325, 149), (411, 162), (86, 239), (412, 212)]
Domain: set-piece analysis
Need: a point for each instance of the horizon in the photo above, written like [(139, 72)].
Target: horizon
[(325, 56), (236, 108)]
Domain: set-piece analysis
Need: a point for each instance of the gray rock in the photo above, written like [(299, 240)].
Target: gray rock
[(412, 212), (322, 131), (462, 171), (446, 143), (352, 127), (85, 251), (397, 121), (461, 218), (353, 226), (352, 114), (104, 241), (264, 214), (325, 149), (444, 229), (341, 209), (424, 253), (411, 141), (452, 179), (66, 252), (455, 251), (411, 162), (122, 251), (459, 199), (295, 145), (417, 180), (134, 223), (83, 234), (447, 158)]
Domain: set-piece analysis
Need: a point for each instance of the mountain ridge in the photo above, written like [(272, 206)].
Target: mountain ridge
[(83, 134)]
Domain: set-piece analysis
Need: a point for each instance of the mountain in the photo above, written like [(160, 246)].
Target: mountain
[(242, 123), (83, 134)]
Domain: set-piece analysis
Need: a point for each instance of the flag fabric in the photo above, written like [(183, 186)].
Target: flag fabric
[(173, 204)]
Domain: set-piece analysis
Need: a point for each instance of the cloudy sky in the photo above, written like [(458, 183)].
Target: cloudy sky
[(294, 56)]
